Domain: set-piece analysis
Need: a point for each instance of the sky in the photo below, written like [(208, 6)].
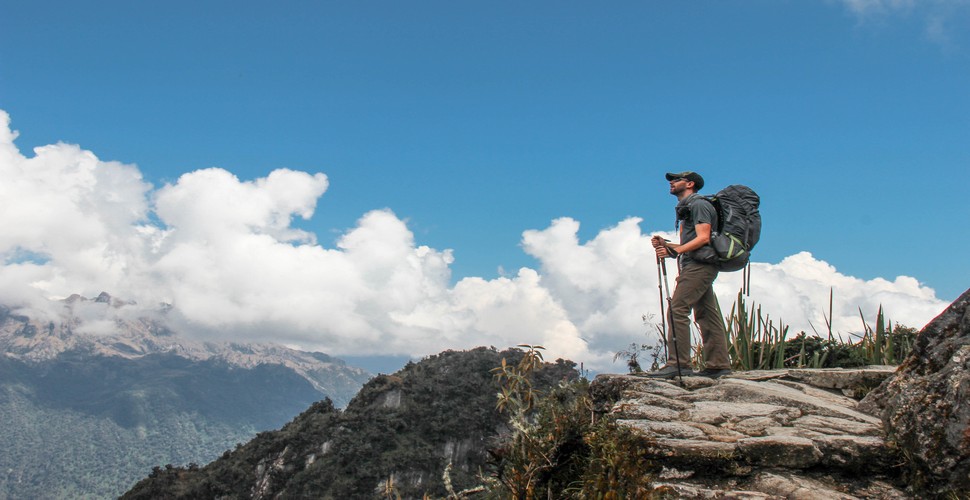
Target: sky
[(391, 179)]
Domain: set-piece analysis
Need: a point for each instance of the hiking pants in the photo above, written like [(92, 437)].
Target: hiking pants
[(695, 292)]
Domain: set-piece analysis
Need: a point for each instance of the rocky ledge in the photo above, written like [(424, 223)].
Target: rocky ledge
[(763, 434)]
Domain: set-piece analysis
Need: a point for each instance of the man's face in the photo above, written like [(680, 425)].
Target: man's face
[(679, 185)]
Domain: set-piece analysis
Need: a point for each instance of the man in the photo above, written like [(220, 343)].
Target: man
[(696, 217)]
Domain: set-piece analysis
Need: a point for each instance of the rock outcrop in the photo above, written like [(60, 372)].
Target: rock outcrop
[(925, 405), (762, 434)]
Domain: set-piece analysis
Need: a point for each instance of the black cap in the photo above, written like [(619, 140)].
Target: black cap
[(691, 176)]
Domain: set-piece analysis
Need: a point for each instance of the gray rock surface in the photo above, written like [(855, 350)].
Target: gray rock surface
[(925, 405), (758, 435)]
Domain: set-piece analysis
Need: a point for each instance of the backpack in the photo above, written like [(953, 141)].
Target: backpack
[(738, 226)]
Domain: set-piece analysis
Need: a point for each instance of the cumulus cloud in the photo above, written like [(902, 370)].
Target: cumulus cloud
[(224, 254)]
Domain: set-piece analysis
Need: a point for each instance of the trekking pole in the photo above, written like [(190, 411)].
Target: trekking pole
[(673, 333), (660, 288), (746, 279)]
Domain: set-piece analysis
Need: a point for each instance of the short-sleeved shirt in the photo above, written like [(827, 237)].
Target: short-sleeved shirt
[(693, 210)]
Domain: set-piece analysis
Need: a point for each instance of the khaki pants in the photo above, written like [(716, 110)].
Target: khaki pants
[(695, 292)]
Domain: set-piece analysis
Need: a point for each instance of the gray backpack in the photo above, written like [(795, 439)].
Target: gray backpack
[(738, 226)]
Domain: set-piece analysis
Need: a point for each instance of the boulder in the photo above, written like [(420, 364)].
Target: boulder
[(925, 405), (753, 435), (775, 485)]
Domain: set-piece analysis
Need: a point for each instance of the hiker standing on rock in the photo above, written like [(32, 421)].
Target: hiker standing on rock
[(696, 217)]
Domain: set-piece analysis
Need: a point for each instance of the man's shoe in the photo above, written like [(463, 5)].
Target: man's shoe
[(669, 371), (714, 372)]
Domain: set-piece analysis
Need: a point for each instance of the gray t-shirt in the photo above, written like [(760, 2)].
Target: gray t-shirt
[(691, 211)]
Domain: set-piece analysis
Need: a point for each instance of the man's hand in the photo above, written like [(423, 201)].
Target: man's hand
[(660, 245)]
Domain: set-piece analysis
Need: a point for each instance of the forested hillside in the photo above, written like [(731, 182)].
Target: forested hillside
[(399, 434), (79, 425), (87, 415)]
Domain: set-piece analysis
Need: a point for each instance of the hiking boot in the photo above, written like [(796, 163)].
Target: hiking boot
[(669, 371), (714, 372)]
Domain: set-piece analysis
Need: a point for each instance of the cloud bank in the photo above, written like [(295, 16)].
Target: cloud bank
[(224, 254)]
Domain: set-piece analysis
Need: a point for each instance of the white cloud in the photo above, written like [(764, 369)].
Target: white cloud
[(223, 251), (936, 16), (870, 7), (212, 203)]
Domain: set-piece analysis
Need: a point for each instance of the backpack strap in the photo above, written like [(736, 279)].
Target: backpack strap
[(682, 211)]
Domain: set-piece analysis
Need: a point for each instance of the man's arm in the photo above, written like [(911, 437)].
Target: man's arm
[(703, 237)]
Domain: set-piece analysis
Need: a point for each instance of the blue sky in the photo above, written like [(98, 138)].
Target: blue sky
[(473, 122)]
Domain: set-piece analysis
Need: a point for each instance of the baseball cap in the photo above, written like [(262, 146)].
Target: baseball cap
[(689, 175)]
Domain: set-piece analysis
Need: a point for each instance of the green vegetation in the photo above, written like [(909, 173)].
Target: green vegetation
[(557, 447), (758, 342), (63, 453), (755, 342)]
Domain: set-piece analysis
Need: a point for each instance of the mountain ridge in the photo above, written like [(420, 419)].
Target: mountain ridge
[(33, 340), (94, 398)]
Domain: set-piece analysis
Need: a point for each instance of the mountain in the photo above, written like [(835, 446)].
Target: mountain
[(132, 338), (92, 401), (399, 434)]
